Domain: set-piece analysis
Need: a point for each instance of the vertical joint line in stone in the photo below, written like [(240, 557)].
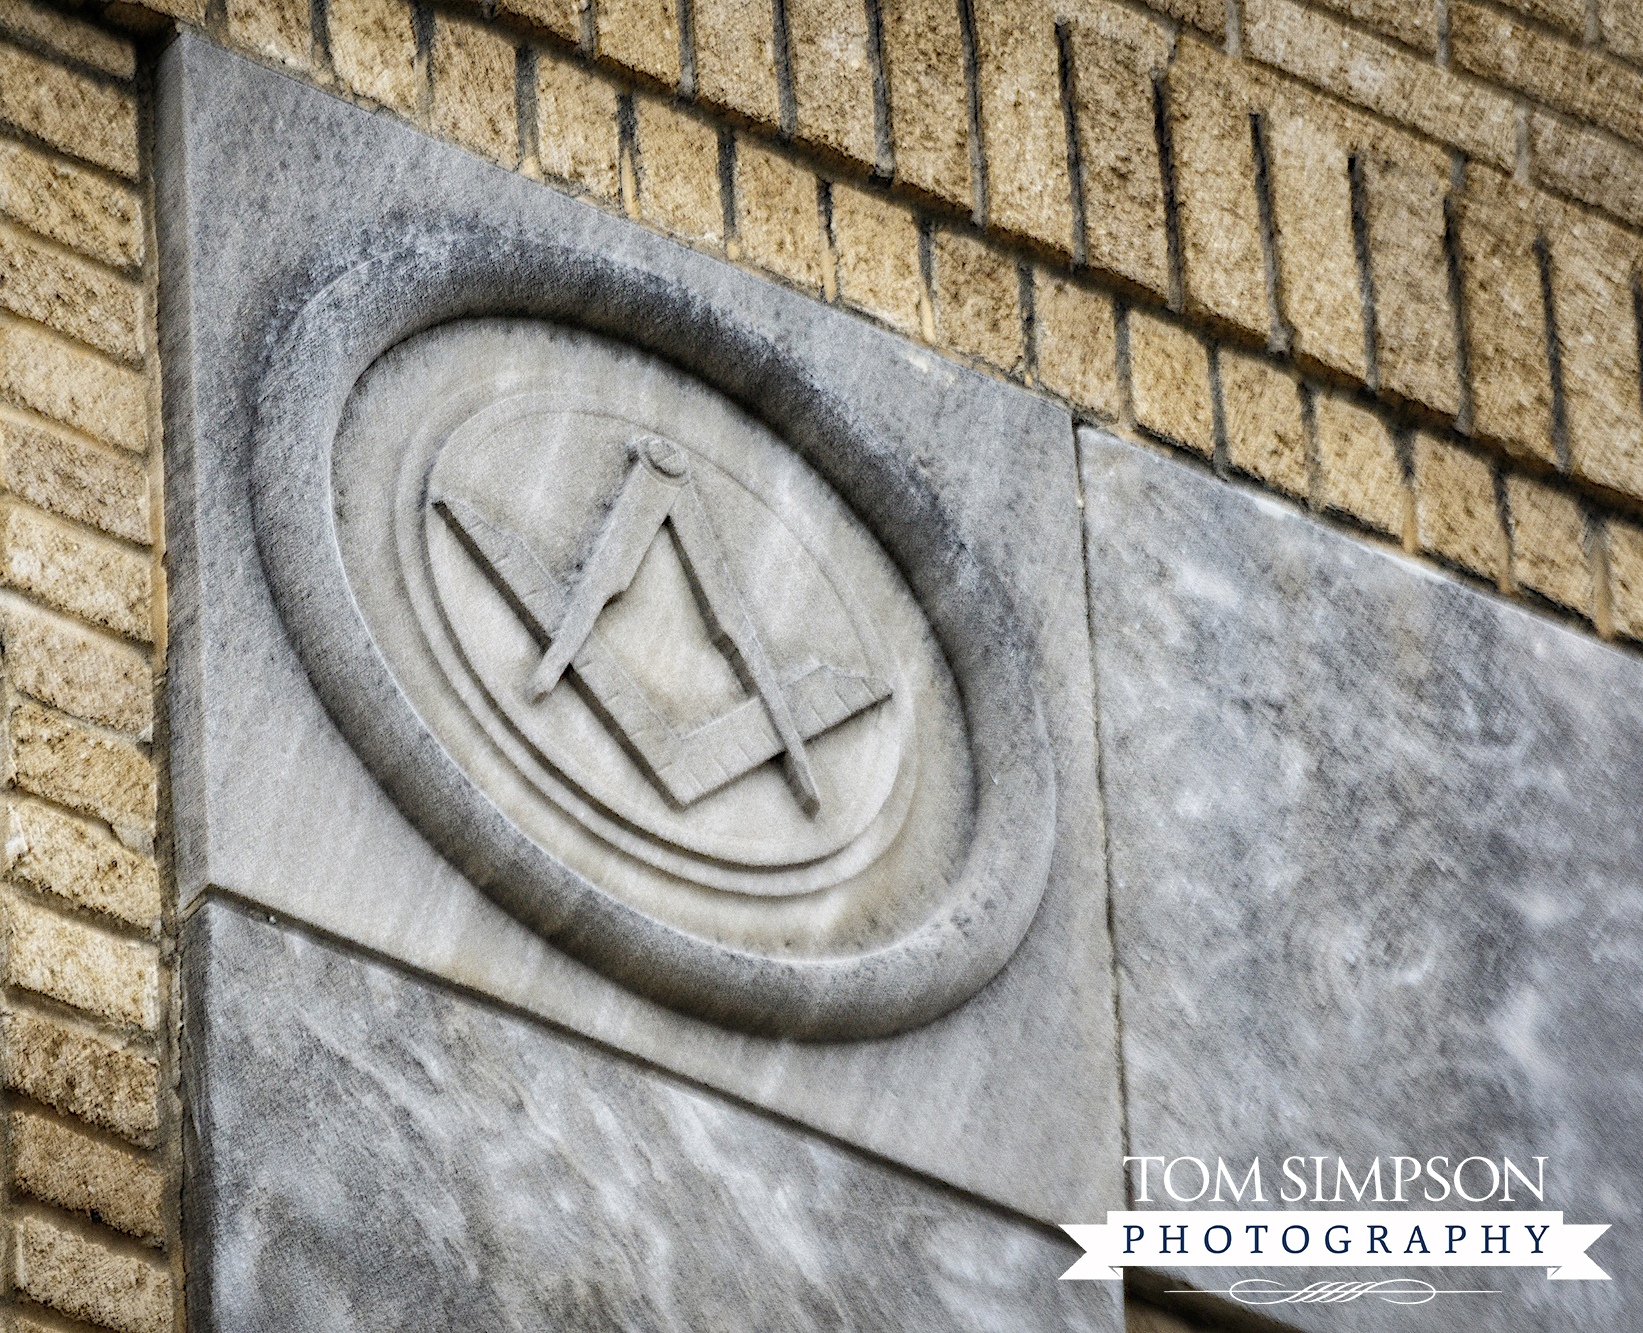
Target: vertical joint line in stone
[(1503, 516), (422, 25), (524, 98), (1126, 389), (972, 106), (1366, 271), (1280, 337), (1166, 171), (727, 189), (1234, 44), (1403, 445), (1594, 24), (1309, 441), (786, 100), (1522, 171), (1075, 157), (589, 43), (687, 48), (1637, 322), (927, 281), (1218, 414), (319, 25), (630, 166), (829, 247), (1597, 558), (1029, 321), (1440, 14), (1554, 353), (884, 140), (1457, 293)]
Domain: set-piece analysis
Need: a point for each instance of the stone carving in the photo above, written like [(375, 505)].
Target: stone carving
[(644, 675)]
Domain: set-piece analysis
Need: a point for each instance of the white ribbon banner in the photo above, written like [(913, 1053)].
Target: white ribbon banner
[(1473, 1239)]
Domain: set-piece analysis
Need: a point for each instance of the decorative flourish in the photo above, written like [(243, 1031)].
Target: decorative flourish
[(1395, 1291)]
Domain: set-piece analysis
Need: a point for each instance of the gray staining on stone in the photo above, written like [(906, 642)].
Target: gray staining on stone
[(1377, 869), (380, 1155)]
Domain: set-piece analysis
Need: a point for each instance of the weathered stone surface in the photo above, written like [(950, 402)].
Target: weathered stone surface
[(560, 17), (85, 118), (1358, 468), (833, 77), (77, 572), (1077, 343), (64, 1165), (82, 1075), (472, 69), (576, 126), (977, 297), (1117, 53), (276, 29), (1625, 548), (778, 220), (81, 966), (678, 171), (962, 1098), (54, 852), (1205, 15), (1622, 26), (1169, 382), (1588, 165), (930, 119), (736, 56), (68, 36), (1569, 15), (100, 487), (878, 268), (373, 49), (1456, 515), (102, 775), (88, 675), (1412, 24), (1265, 434), (1549, 544), (83, 300), (1367, 827), (641, 35), (71, 385), (72, 205), (589, 1191), (86, 1279)]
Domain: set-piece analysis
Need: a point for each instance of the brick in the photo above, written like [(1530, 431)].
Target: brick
[(88, 1280), (277, 29), (1266, 436), (1076, 339), (1625, 544), (1382, 77), (1224, 264), (736, 56), (929, 113), (833, 77), (86, 576), (1169, 382), (1594, 264), (977, 299), (1117, 52), (1406, 181), (1505, 314), (85, 118), (777, 222), (1548, 531), (72, 295), (678, 171), (81, 1075), (63, 1165), (373, 49), (474, 102), (1621, 22), (1590, 166), (97, 486), (69, 37), (1455, 512), (878, 264), (1569, 15), (88, 675), (101, 775), (1412, 22), (1208, 16), (76, 387), (56, 853), (1023, 127), (117, 980), (641, 35), (576, 126), (1566, 77), (1358, 468), (1309, 148), (73, 206), (561, 17)]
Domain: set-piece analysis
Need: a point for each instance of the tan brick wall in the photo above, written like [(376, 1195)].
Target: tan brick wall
[(85, 1011)]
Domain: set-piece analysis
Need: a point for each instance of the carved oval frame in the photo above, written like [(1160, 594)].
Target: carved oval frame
[(434, 278)]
